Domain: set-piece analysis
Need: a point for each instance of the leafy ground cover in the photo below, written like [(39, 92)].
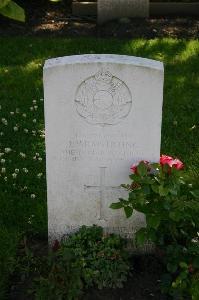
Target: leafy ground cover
[(22, 150)]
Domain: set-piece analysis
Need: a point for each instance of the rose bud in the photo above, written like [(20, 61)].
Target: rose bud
[(55, 246), (190, 269)]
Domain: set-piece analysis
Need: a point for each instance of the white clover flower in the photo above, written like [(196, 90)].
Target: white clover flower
[(37, 154), (35, 107), (31, 108), (34, 120), (14, 175), (40, 159), (25, 170), (34, 131), (25, 130), (39, 175), (4, 121), (42, 133), (7, 150), (1, 133), (34, 157), (16, 170), (24, 115), (34, 101), (5, 178), (1, 154), (3, 161), (41, 99), (15, 128), (22, 154), (12, 113), (3, 170), (32, 196)]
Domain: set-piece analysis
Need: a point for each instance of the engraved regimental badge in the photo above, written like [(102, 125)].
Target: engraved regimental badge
[(103, 99)]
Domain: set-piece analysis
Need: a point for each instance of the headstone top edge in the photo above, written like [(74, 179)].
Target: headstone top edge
[(104, 58)]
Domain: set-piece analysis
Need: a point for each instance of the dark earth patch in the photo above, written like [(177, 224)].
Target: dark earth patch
[(143, 284)]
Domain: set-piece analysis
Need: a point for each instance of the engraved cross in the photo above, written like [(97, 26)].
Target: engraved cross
[(102, 189)]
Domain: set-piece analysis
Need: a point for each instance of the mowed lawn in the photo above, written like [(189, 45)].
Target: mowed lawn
[(23, 209)]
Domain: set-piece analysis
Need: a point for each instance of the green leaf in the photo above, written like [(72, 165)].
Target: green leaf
[(155, 165), (152, 235), (116, 205), (172, 267), (13, 11), (163, 191), (128, 211), (146, 190), (132, 195), (153, 221), (140, 198), (142, 169), (173, 191), (195, 194), (141, 236), (183, 275), (4, 3), (183, 265), (175, 216), (155, 188), (134, 177)]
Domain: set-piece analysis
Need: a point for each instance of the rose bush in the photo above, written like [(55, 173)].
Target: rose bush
[(162, 192)]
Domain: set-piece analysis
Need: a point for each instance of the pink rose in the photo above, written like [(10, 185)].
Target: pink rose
[(172, 162), (164, 159), (134, 169), (178, 164)]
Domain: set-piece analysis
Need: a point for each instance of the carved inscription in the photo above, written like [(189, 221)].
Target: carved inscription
[(103, 99), (99, 148)]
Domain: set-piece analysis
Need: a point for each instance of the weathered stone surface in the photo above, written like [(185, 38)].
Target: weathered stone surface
[(115, 9), (102, 113)]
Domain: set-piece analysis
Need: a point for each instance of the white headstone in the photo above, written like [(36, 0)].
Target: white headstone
[(102, 113), (115, 9)]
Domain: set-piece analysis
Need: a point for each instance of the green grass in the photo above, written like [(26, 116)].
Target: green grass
[(21, 61)]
